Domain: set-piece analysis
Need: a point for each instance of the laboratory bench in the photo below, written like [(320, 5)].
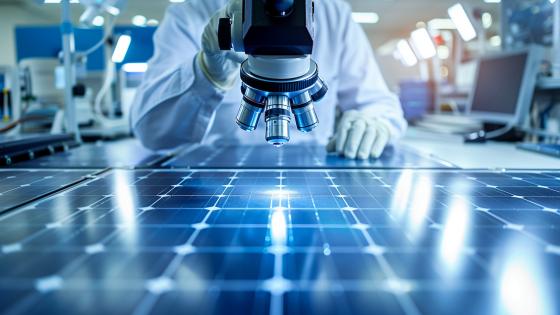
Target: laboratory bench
[(434, 226)]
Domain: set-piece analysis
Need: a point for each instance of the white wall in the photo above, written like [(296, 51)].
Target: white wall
[(11, 16)]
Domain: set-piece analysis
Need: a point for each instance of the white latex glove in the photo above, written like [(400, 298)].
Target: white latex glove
[(360, 136), (220, 67)]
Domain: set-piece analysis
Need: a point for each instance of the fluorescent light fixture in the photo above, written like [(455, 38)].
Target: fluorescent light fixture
[(176, 1), (139, 20), (121, 49), (492, 1), (487, 20), (441, 24), (460, 18), (406, 53), (152, 22), (496, 41), (98, 21), (135, 67), (59, 1), (423, 44), (365, 17)]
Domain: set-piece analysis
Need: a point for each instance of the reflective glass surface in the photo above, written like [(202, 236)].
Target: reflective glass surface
[(20, 186), (288, 242), (127, 153), (294, 156)]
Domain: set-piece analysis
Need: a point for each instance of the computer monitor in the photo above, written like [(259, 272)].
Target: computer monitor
[(504, 86)]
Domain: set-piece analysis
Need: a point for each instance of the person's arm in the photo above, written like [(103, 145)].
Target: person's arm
[(372, 115), (176, 101)]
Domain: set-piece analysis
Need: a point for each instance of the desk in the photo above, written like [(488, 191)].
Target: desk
[(489, 155)]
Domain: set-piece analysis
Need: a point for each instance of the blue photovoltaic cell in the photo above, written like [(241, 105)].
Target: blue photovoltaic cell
[(21, 186), (288, 242), (128, 153), (296, 156)]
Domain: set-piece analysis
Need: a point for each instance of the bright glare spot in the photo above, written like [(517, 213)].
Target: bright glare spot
[(455, 232), (406, 54), (139, 20), (365, 17), (152, 22), (519, 289), (496, 41), (460, 18), (443, 52), (422, 43), (487, 20), (176, 1), (135, 67), (122, 48), (98, 21), (278, 228)]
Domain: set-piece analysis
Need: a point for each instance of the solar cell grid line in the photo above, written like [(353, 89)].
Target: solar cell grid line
[(398, 285), (317, 221), (163, 283), (55, 281), (18, 187)]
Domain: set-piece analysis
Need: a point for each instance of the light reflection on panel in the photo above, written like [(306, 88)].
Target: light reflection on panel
[(297, 156), (287, 241)]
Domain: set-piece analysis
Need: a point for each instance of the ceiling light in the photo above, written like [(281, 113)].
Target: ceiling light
[(441, 24), (462, 22), (176, 1), (406, 53), (139, 20), (423, 43), (121, 49), (365, 17), (492, 1), (135, 67), (152, 22), (98, 21), (487, 20), (496, 41), (59, 1)]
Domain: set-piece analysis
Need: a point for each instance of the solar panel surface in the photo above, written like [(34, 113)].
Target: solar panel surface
[(128, 153), (296, 156), (20, 186), (288, 242)]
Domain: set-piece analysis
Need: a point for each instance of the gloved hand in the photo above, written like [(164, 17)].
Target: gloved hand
[(220, 67), (360, 136)]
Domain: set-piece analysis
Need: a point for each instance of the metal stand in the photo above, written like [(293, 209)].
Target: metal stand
[(556, 41), (69, 71)]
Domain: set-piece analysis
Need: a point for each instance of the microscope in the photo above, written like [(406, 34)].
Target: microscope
[(279, 77)]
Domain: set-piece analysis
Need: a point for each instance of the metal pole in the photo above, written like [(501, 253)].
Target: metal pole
[(69, 71), (556, 41)]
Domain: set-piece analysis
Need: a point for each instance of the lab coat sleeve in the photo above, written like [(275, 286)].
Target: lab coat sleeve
[(361, 83), (175, 103)]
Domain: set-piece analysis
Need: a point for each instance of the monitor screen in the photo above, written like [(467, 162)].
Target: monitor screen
[(498, 84)]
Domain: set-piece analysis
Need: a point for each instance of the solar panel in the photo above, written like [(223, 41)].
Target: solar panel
[(288, 242), (127, 153), (20, 186), (294, 156)]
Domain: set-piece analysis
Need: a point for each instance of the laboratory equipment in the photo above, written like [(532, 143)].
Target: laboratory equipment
[(504, 86), (279, 77)]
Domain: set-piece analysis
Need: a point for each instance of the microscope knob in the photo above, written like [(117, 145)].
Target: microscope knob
[(224, 34)]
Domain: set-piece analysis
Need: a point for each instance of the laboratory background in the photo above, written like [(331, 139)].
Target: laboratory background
[(280, 157)]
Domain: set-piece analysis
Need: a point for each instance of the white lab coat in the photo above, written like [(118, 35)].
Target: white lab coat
[(176, 104)]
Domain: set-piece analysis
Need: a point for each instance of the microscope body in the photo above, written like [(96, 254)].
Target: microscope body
[(279, 77)]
